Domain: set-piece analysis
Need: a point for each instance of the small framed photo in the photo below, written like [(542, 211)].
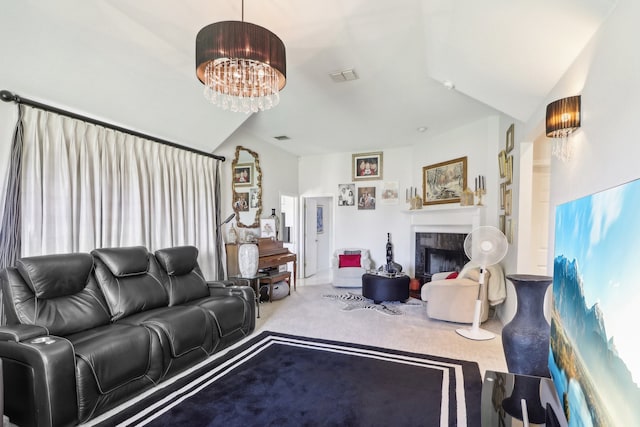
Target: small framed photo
[(501, 222), (241, 202), (366, 166), (366, 198), (346, 194), (502, 163), (510, 142), (509, 230), (268, 227), (444, 182), (243, 175), (254, 202), (507, 202), (503, 194), (389, 195)]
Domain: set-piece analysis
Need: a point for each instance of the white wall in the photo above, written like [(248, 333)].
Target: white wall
[(279, 171), (606, 147), (320, 175)]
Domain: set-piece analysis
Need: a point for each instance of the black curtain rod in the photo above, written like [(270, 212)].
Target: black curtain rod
[(7, 96)]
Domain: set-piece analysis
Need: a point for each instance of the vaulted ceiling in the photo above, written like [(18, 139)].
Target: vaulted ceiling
[(132, 63)]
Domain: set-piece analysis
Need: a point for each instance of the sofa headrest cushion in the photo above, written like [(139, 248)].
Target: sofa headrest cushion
[(54, 276), (123, 262), (179, 260)]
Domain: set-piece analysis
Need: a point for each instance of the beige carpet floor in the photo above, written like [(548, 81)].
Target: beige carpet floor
[(305, 312)]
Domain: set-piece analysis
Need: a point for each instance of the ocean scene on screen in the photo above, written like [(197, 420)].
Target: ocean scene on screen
[(593, 360)]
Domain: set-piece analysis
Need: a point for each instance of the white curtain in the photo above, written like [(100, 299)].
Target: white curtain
[(86, 186)]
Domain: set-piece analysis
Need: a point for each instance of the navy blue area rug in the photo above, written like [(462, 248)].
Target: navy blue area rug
[(284, 380)]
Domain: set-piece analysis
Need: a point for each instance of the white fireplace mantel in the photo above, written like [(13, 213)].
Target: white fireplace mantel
[(446, 219)]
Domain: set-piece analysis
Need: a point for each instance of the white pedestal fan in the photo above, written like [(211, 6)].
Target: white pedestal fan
[(484, 246)]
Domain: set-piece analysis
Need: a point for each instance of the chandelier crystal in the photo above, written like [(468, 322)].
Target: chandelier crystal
[(242, 65), (241, 85)]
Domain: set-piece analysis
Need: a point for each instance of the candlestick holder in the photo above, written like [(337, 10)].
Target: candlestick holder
[(479, 193)]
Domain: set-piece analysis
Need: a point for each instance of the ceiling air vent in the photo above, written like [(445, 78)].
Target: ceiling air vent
[(282, 138), (343, 76)]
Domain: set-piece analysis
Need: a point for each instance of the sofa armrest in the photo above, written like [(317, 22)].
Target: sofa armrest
[(220, 283), (41, 369), (19, 333), (440, 276)]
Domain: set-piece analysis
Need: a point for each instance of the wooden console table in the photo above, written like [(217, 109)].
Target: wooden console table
[(272, 253)]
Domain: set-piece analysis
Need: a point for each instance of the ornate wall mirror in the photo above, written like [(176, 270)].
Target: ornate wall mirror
[(246, 183)]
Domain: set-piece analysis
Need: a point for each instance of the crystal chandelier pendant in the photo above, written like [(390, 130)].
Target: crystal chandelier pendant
[(562, 148), (241, 85)]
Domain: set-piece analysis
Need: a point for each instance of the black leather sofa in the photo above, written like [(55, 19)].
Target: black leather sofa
[(86, 332)]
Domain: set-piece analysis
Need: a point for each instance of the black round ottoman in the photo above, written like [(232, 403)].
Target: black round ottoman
[(385, 288)]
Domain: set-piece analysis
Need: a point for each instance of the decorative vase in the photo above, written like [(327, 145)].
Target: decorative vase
[(525, 339), (248, 259)]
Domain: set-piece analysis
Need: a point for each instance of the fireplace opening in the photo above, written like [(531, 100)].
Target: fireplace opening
[(440, 260), (438, 252)]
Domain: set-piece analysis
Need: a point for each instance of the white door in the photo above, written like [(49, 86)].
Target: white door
[(310, 237)]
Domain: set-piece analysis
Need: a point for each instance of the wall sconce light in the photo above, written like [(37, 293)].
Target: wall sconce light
[(563, 117)]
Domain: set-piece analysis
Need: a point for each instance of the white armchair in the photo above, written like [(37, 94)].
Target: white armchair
[(348, 265), (454, 300)]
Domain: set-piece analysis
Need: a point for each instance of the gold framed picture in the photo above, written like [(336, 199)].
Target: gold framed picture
[(510, 142), (444, 182), (509, 170), (366, 166), (243, 175), (507, 202), (502, 163)]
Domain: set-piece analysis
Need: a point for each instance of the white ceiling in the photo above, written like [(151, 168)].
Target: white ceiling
[(132, 62)]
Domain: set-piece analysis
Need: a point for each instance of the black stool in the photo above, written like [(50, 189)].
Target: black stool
[(384, 288)]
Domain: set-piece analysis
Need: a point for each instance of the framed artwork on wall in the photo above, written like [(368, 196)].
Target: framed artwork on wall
[(510, 142), (507, 202), (509, 169), (366, 166), (389, 194), (502, 163), (346, 194), (444, 182), (268, 227), (241, 203), (243, 175), (503, 194), (366, 198)]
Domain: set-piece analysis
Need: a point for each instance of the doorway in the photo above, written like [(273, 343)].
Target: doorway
[(318, 232)]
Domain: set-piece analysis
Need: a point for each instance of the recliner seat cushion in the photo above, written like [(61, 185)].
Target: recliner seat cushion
[(229, 312), (114, 355), (182, 328)]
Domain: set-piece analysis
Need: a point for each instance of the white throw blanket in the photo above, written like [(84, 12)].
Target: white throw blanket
[(496, 284)]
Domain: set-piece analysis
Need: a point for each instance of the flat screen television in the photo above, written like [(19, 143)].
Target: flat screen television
[(594, 358)]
